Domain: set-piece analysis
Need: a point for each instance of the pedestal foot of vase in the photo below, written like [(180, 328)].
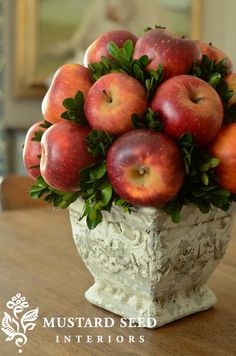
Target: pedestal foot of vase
[(150, 313)]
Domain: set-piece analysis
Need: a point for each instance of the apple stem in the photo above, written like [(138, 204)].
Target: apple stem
[(142, 170), (109, 99), (196, 100)]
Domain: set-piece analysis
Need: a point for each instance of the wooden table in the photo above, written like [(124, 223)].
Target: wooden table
[(39, 260)]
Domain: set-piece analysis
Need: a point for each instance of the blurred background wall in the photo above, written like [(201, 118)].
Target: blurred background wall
[(3, 158), (216, 23)]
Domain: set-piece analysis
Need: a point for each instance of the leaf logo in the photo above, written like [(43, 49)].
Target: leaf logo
[(15, 326)]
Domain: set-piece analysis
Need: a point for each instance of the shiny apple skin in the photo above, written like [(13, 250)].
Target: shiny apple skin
[(162, 47), (230, 79), (224, 148), (98, 48), (67, 80), (113, 115), (64, 154), (145, 168), (31, 151), (215, 54), (189, 104)]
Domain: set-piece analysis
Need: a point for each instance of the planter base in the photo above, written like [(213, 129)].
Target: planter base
[(153, 313), (147, 268)]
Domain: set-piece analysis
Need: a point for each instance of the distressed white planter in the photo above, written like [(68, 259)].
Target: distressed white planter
[(146, 267)]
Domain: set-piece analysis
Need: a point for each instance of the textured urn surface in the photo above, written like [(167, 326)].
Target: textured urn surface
[(145, 266)]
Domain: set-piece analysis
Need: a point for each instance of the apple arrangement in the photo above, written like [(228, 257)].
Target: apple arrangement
[(146, 121)]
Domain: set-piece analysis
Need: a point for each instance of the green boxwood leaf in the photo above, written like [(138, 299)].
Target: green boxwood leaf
[(204, 206), (214, 79), (144, 60), (138, 73), (46, 124), (106, 194), (222, 192), (94, 218), (37, 136), (65, 115), (36, 194), (105, 61), (113, 49), (98, 171), (205, 178), (185, 140), (214, 162), (206, 166), (75, 109), (129, 48), (175, 216), (68, 103)]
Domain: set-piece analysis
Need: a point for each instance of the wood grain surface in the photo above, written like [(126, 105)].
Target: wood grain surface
[(38, 258)]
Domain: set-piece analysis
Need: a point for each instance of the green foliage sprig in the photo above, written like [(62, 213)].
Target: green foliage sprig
[(75, 109), (122, 62), (210, 70), (200, 185), (149, 121), (98, 194), (55, 197), (94, 186), (39, 133), (98, 143), (96, 191), (213, 73)]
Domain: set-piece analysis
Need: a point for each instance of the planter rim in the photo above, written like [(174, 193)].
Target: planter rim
[(190, 215)]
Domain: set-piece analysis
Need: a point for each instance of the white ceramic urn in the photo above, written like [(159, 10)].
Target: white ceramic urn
[(145, 266)]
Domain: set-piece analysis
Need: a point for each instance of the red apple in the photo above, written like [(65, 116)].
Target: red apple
[(64, 154), (112, 100), (67, 80), (224, 148), (188, 104), (145, 167), (162, 47), (32, 151), (98, 48), (230, 79), (215, 54)]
